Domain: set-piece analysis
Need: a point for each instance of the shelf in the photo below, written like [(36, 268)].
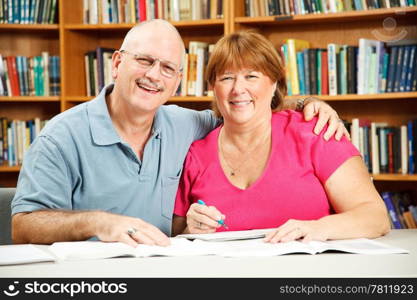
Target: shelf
[(126, 26), (346, 16), (6, 168), (347, 97), (368, 97), (29, 99), (172, 99), (394, 177), (29, 27)]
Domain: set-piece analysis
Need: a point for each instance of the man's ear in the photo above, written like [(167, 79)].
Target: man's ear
[(116, 59), (177, 83)]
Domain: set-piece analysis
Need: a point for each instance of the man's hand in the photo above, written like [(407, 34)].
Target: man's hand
[(326, 114), (131, 231)]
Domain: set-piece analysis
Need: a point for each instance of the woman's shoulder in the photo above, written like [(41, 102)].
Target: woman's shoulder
[(291, 119), (206, 144)]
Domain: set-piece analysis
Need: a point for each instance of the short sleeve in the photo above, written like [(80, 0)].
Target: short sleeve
[(206, 121), (329, 155), (188, 177), (44, 181)]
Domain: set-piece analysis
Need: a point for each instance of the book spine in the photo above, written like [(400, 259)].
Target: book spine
[(398, 69), (301, 75), (306, 72), (411, 166), (410, 69), (331, 50), (386, 196)]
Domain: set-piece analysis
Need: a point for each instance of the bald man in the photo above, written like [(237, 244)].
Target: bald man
[(109, 168)]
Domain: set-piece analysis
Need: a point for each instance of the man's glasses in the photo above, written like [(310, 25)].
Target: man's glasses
[(167, 69)]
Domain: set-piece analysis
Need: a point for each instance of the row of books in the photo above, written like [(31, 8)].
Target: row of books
[(193, 83), (30, 76), (98, 66), (258, 8), (402, 209), (16, 137), (132, 11), (28, 11), (384, 148), (370, 68)]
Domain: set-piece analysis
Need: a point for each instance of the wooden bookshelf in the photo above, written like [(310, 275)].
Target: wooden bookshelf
[(71, 39), (347, 16)]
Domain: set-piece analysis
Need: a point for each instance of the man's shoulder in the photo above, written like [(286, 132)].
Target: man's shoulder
[(180, 117), (66, 121), (174, 111)]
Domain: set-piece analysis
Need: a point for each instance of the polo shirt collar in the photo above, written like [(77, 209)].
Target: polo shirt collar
[(101, 125)]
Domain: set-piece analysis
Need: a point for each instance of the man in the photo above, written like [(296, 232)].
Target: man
[(109, 168)]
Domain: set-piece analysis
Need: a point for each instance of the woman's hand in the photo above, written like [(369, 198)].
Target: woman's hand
[(295, 229), (326, 114), (203, 219)]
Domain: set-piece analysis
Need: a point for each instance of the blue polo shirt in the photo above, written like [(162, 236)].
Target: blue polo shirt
[(79, 162)]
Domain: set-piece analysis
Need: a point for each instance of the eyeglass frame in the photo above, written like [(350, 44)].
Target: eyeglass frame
[(136, 56)]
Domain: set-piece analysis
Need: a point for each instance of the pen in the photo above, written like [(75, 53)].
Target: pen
[(221, 222)]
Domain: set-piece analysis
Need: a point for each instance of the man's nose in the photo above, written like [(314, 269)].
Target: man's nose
[(154, 71)]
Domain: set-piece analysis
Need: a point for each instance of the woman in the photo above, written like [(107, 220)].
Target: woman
[(266, 169)]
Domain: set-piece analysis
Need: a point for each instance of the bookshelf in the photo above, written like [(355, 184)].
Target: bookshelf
[(346, 28), (71, 39)]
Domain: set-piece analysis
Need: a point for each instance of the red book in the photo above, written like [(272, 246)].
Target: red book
[(156, 10), (14, 77), (324, 74), (142, 10)]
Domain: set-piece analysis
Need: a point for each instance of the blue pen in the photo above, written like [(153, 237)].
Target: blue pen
[(221, 222)]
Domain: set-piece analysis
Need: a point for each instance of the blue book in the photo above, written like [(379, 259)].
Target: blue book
[(384, 76), (25, 75), (404, 68), (306, 72), (398, 69), (285, 51), (411, 163), (301, 75), (411, 66), (380, 75), (19, 68), (391, 69), (391, 210), (413, 210), (414, 76)]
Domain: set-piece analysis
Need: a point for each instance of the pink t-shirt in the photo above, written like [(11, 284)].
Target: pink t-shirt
[(291, 186)]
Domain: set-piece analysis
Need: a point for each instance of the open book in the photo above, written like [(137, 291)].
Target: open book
[(236, 248), (23, 254)]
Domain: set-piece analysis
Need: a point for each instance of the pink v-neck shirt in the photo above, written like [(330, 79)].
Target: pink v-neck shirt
[(291, 186)]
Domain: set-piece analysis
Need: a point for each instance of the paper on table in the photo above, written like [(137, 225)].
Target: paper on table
[(235, 248), (98, 250), (257, 247), (23, 254), (228, 235)]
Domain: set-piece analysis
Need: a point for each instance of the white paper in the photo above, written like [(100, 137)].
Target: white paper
[(22, 254), (229, 235), (236, 248)]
